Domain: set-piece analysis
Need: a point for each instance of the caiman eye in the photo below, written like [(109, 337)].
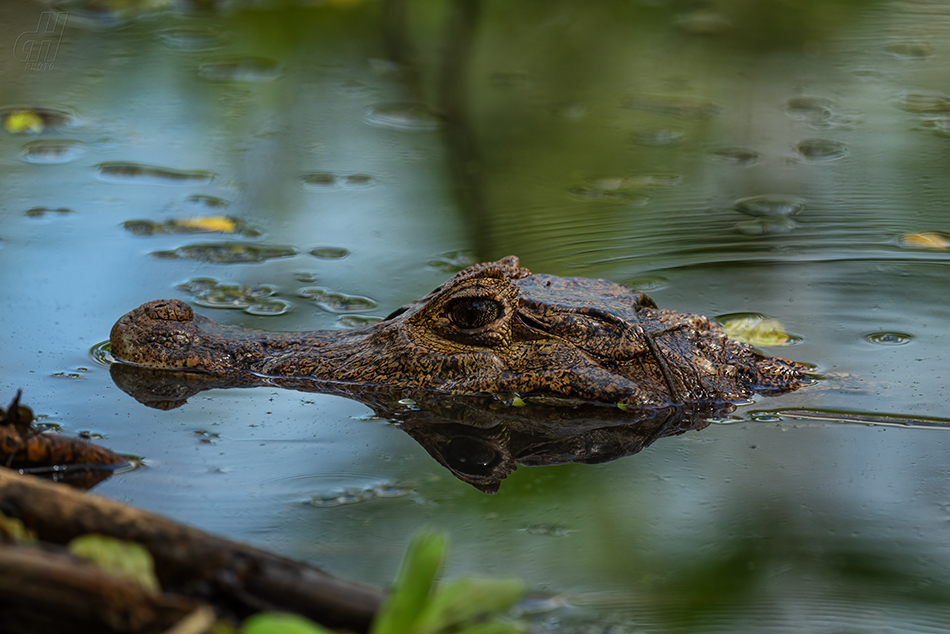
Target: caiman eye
[(473, 312)]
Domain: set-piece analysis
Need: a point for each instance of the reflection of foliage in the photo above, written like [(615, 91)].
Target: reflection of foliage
[(417, 604)]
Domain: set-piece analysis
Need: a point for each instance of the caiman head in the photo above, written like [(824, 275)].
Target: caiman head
[(493, 328)]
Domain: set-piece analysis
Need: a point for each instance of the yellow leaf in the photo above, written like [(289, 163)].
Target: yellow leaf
[(24, 122), (757, 330), (220, 224), (926, 240)]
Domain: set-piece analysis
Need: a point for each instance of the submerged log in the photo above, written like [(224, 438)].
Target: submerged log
[(235, 578)]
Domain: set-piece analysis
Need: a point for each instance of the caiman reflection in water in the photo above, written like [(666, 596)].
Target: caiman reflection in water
[(604, 370), (481, 439)]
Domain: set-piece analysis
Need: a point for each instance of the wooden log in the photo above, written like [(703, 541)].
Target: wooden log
[(235, 578), (43, 591)]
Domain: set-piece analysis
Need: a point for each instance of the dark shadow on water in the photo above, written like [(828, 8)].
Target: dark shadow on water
[(480, 439)]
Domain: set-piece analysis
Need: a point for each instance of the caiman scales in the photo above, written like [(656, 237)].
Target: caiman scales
[(494, 328)]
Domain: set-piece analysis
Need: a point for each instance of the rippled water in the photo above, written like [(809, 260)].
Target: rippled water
[(786, 162)]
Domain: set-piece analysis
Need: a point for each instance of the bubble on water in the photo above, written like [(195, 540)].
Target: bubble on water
[(141, 174), (240, 69), (329, 253), (909, 49), (888, 338), (335, 301), (403, 116), (269, 307), (47, 212), (227, 253), (191, 39), (771, 205), (821, 150), (923, 101), (735, 155), (52, 152)]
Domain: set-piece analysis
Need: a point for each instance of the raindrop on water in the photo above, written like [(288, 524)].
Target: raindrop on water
[(923, 101), (888, 338), (735, 155), (774, 205)]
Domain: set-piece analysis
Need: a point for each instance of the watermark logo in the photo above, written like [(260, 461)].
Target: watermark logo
[(37, 49)]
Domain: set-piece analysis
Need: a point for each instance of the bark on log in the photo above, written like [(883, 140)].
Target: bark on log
[(42, 591), (233, 577)]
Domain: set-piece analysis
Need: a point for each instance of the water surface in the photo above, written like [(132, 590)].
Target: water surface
[(725, 160)]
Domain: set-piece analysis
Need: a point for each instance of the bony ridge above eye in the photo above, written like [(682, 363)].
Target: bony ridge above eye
[(473, 312)]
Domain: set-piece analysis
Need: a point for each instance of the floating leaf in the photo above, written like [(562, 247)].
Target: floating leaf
[(755, 329), (118, 557), (280, 623), (926, 240), (24, 122)]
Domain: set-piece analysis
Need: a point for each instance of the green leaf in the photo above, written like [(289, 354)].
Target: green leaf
[(280, 623), (465, 599), (122, 558), (413, 586)]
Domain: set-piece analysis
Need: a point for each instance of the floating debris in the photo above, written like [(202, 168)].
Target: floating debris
[(682, 107), (357, 495), (46, 212), (323, 181), (204, 224), (756, 329), (910, 50), (32, 120), (336, 302), (923, 101), (254, 300), (227, 253), (661, 136), (357, 321), (453, 261), (925, 240), (191, 39), (329, 253), (52, 152), (735, 155), (141, 174), (821, 150)]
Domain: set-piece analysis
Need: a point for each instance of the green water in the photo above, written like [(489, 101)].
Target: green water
[(615, 139)]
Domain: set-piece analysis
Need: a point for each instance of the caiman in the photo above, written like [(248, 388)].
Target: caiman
[(494, 328)]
